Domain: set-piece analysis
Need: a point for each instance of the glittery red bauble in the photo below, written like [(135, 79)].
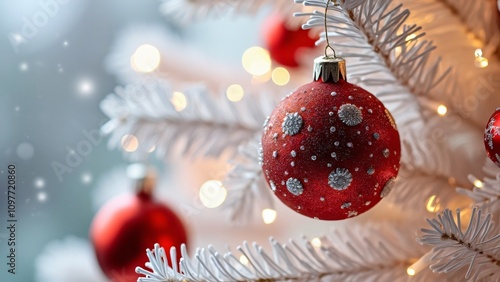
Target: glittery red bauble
[(492, 137), (330, 150), (125, 227), (285, 44)]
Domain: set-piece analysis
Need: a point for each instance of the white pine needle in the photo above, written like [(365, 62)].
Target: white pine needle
[(475, 249)]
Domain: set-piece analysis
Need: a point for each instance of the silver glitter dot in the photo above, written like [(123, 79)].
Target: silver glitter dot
[(265, 123), (376, 135), (329, 165), (282, 182), (333, 154), (370, 111), (273, 186), (334, 108), (293, 153), (292, 124), (286, 172), (349, 145), (275, 135), (386, 153), (336, 143), (332, 129), (306, 180), (275, 154), (302, 147), (292, 163), (309, 128), (322, 199), (299, 207), (387, 187), (370, 170), (340, 179), (367, 127), (294, 186), (303, 108), (315, 218), (350, 115), (261, 155), (330, 113), (371, 155), (358, 132), (369, 142), (351, 98), (345, 205), (356, 169), (368, 203), (333, 93), (352, 213), (313, 158)]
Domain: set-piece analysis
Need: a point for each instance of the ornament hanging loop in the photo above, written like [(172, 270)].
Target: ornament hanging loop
[(329, 68)]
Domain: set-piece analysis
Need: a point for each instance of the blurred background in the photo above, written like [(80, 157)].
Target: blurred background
[(52, 80)]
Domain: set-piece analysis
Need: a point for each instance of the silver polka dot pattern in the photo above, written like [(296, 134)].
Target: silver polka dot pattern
[(350, 115), (294, 186), (340, 179), (292, 124), (387, 187)]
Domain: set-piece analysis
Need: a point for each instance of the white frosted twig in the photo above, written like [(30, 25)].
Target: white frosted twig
[(207, 126), (346, 255), (475, 249)]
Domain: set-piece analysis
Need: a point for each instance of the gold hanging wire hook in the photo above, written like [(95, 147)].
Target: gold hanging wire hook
[(326, 29)]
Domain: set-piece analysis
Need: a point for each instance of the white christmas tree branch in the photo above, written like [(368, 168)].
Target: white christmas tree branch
[(477, 249), (207, 126), (185, 11), (481, 18), (246, 185), (486, 194), (347, 255)]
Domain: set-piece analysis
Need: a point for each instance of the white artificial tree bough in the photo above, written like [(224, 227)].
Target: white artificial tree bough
[(476, 249)]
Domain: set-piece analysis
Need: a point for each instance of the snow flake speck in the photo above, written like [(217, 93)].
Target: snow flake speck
[(294, 186), (350, 115), (340, 179), (292, 123), (293, 153), (332, 129), (387, 187)]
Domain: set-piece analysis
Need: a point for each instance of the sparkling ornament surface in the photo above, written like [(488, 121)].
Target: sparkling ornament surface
[(330, 150), (285, 44), (125, 227), (492, 137)]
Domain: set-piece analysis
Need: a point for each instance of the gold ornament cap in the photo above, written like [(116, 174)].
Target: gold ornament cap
[(329, 69)]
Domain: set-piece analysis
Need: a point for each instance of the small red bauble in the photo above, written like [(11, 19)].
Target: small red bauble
[(492, 137), (330, 150), (285, 44), (126, 226)]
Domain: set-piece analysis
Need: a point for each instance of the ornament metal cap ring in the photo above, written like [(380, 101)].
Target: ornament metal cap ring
[(329, 69)]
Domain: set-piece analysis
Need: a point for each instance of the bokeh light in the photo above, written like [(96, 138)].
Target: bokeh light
[(146, 58), (212, 194), (235, 93), (269, 216), (280, 76), (179, 101), (442, 110), (256, 61), (130, 143)]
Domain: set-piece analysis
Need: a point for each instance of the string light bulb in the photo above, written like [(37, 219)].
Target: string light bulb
[(146, 58), (442, 110), (129, 143), (179, 101), (269, 216), (235, 93), (212, 194), (256, 61)]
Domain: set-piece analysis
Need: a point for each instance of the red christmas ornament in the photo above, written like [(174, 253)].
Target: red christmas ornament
[(330, 150), (285, 44), (492, 137), (129, 224)]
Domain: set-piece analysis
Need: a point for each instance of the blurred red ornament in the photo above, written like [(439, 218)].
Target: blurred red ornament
[(285, 44), (492, 137), (330, 150), (129, 224)]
